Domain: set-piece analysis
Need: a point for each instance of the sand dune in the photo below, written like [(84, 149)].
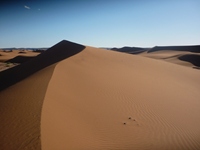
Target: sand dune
[(130, 50), (192, 48), (184, 58), (99, 99), (20, 112), (182, 55), (54, 54), (6, 55), (194, 59)]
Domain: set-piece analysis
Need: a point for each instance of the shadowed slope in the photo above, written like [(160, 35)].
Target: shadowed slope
[(21, 103), (194, 59), (195, 49), (58, 52), (130, 50), (20, 59), (20, 112)]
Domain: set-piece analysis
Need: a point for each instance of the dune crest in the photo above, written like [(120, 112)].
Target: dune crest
[(58, 52), (80, 97), (21, 97), (101, 99)]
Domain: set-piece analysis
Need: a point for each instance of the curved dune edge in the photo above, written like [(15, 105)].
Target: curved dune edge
[(194, 59), (20, 112), (56, 53), (92, 94), (88, 98), (22, 91)]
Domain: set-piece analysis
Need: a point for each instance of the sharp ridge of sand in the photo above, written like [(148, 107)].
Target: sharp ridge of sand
[(89, 97), (56, 53), (101, 97), (21, 103), (20, 111)]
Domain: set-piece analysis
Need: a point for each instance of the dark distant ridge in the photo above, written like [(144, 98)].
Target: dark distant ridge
[(138, 50), (191, 58), (130, 50), (193, 48), (34, 49), (56, 53)]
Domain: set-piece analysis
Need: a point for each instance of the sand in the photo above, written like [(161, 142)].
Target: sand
[(184, 58), (100, 99), (9, 59), (20, 112)]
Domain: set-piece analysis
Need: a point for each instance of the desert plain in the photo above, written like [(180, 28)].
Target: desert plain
[(76, 97)]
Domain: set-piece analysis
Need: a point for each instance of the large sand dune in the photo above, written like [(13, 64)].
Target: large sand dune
[(99, 99)]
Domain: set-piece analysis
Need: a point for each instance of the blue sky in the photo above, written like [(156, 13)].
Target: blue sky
[(99, 23)]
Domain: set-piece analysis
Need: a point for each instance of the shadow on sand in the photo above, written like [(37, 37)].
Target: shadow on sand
[(194, 59), (194, 49), (20, 59), (58, 52)]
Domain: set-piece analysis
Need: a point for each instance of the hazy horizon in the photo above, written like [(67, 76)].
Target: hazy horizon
[(43, 47), (138, 23)]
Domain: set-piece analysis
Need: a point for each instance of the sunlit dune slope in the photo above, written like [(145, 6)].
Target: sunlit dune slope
[(102, 99), (21, 97), (77, 97)]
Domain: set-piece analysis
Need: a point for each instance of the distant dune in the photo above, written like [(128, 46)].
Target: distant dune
[(6, 55), (79, 97), (194, 59), (192, 48), (174, 54), (130, 50), (10, 58)]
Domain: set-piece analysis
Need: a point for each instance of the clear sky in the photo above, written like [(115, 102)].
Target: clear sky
[(99, 23)]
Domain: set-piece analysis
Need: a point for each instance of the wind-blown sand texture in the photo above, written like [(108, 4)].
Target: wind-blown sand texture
[(89, 98)]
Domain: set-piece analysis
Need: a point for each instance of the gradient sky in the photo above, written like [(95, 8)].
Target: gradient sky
[(99, 23)]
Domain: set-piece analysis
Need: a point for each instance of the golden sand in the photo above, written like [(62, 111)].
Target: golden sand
[(100, 99)]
